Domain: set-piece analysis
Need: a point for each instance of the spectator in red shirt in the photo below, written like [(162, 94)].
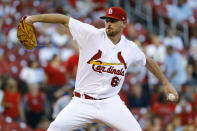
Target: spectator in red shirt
[(34, 101), (71, 65), (56, 76), (11, 100), (71, 68), (56, 72)]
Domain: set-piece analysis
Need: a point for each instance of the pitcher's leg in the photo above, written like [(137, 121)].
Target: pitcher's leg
[(73, 116), (116, 115)]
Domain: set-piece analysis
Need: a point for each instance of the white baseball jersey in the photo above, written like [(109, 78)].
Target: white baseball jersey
[(101, 71), (102, 64)]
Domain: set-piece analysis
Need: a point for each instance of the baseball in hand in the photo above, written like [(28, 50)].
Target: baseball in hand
[(171, 97)]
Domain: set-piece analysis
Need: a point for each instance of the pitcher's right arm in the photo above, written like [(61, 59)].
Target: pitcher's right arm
[(48, 18)]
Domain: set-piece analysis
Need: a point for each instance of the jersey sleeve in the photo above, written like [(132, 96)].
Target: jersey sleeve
[(140, 57), (81, 32)]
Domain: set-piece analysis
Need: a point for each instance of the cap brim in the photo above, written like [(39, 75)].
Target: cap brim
[(105, 17)]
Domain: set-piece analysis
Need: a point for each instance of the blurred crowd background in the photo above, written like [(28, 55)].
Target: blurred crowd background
[(35, 85)]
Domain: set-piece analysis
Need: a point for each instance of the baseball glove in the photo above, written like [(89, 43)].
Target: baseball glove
[(26, 34)]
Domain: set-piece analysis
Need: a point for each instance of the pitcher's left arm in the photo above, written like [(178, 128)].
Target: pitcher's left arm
[(154, 68)]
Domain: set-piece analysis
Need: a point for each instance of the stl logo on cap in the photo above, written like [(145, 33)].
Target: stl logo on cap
[(110, 11)]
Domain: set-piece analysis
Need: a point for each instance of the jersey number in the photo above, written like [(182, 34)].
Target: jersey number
[(115, 81)]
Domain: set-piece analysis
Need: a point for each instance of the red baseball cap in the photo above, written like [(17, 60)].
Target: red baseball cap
[(115, 13)]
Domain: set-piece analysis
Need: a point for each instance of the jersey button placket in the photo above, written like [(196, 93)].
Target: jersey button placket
[(113, 55)]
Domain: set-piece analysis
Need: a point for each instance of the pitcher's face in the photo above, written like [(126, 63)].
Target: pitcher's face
[(113, 26)]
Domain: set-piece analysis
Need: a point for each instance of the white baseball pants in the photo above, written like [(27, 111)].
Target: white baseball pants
[(79, 112)]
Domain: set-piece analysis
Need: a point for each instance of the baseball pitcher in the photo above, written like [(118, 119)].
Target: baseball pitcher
[(105, 55)]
